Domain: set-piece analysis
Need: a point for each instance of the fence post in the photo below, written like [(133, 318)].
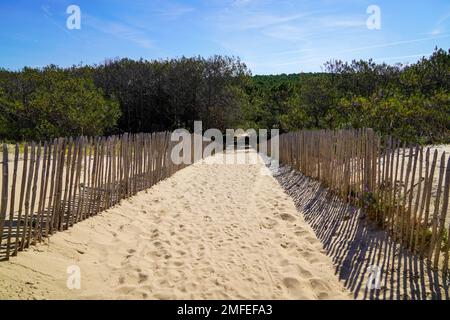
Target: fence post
[(4, 201), (13, 196)]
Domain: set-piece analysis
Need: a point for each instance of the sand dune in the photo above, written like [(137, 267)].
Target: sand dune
[(211, 231)]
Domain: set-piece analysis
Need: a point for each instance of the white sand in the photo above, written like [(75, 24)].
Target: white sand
[(209, 232)]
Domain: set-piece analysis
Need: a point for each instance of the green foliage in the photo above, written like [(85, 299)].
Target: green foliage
[(41, 104), (71, 107), (409, 102), (168, 94)]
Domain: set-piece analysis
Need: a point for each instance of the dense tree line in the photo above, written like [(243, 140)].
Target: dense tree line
[(122, 95), (410, 102), (169, 94), (39, 104)]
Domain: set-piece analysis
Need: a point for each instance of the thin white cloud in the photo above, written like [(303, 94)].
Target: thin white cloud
[(439, 28), (358, 49), (393, 44), (286, 32), (251, 20), (351, 50), (119, 30), (340, 22), (46, 10), (436, 32), (265, 20), (240, 3), (129, 33), (49, 15), (312, 27), (174, 10), (443, 18), (404, 57)]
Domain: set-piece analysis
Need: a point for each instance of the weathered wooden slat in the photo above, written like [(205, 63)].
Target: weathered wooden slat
[(71, 175), (54, 185), (434, 221), (41, 200), (410, 194), (58, 209), (419, 228), (427, 205), (402, 204), (26, 224), (444, 211), (4, 198), (34, 191), (44, 223), (415, 224), (22, 197), (81, 205), (12, 201)]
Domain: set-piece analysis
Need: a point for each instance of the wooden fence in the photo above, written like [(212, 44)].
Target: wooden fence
[(404, 189), (51, 186)]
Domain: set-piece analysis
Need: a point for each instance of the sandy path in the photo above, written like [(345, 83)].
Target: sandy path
[(209, 232)]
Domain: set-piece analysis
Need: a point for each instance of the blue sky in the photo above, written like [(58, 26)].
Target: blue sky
[(270, 36)]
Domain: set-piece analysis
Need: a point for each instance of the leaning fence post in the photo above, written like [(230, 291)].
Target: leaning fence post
[(4, 202), (445, 199), (11, 205)]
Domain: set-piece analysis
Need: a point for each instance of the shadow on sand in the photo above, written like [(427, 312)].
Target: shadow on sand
[(356, 246)]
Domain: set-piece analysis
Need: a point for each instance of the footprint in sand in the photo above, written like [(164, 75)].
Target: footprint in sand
[(300, 233), (319, 284), (157, 244), (178, 263), (284, 262), (167, 256), (291, 283), (142, 277), (285, 245), (155, 234), (287, 217), (269, 223)]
